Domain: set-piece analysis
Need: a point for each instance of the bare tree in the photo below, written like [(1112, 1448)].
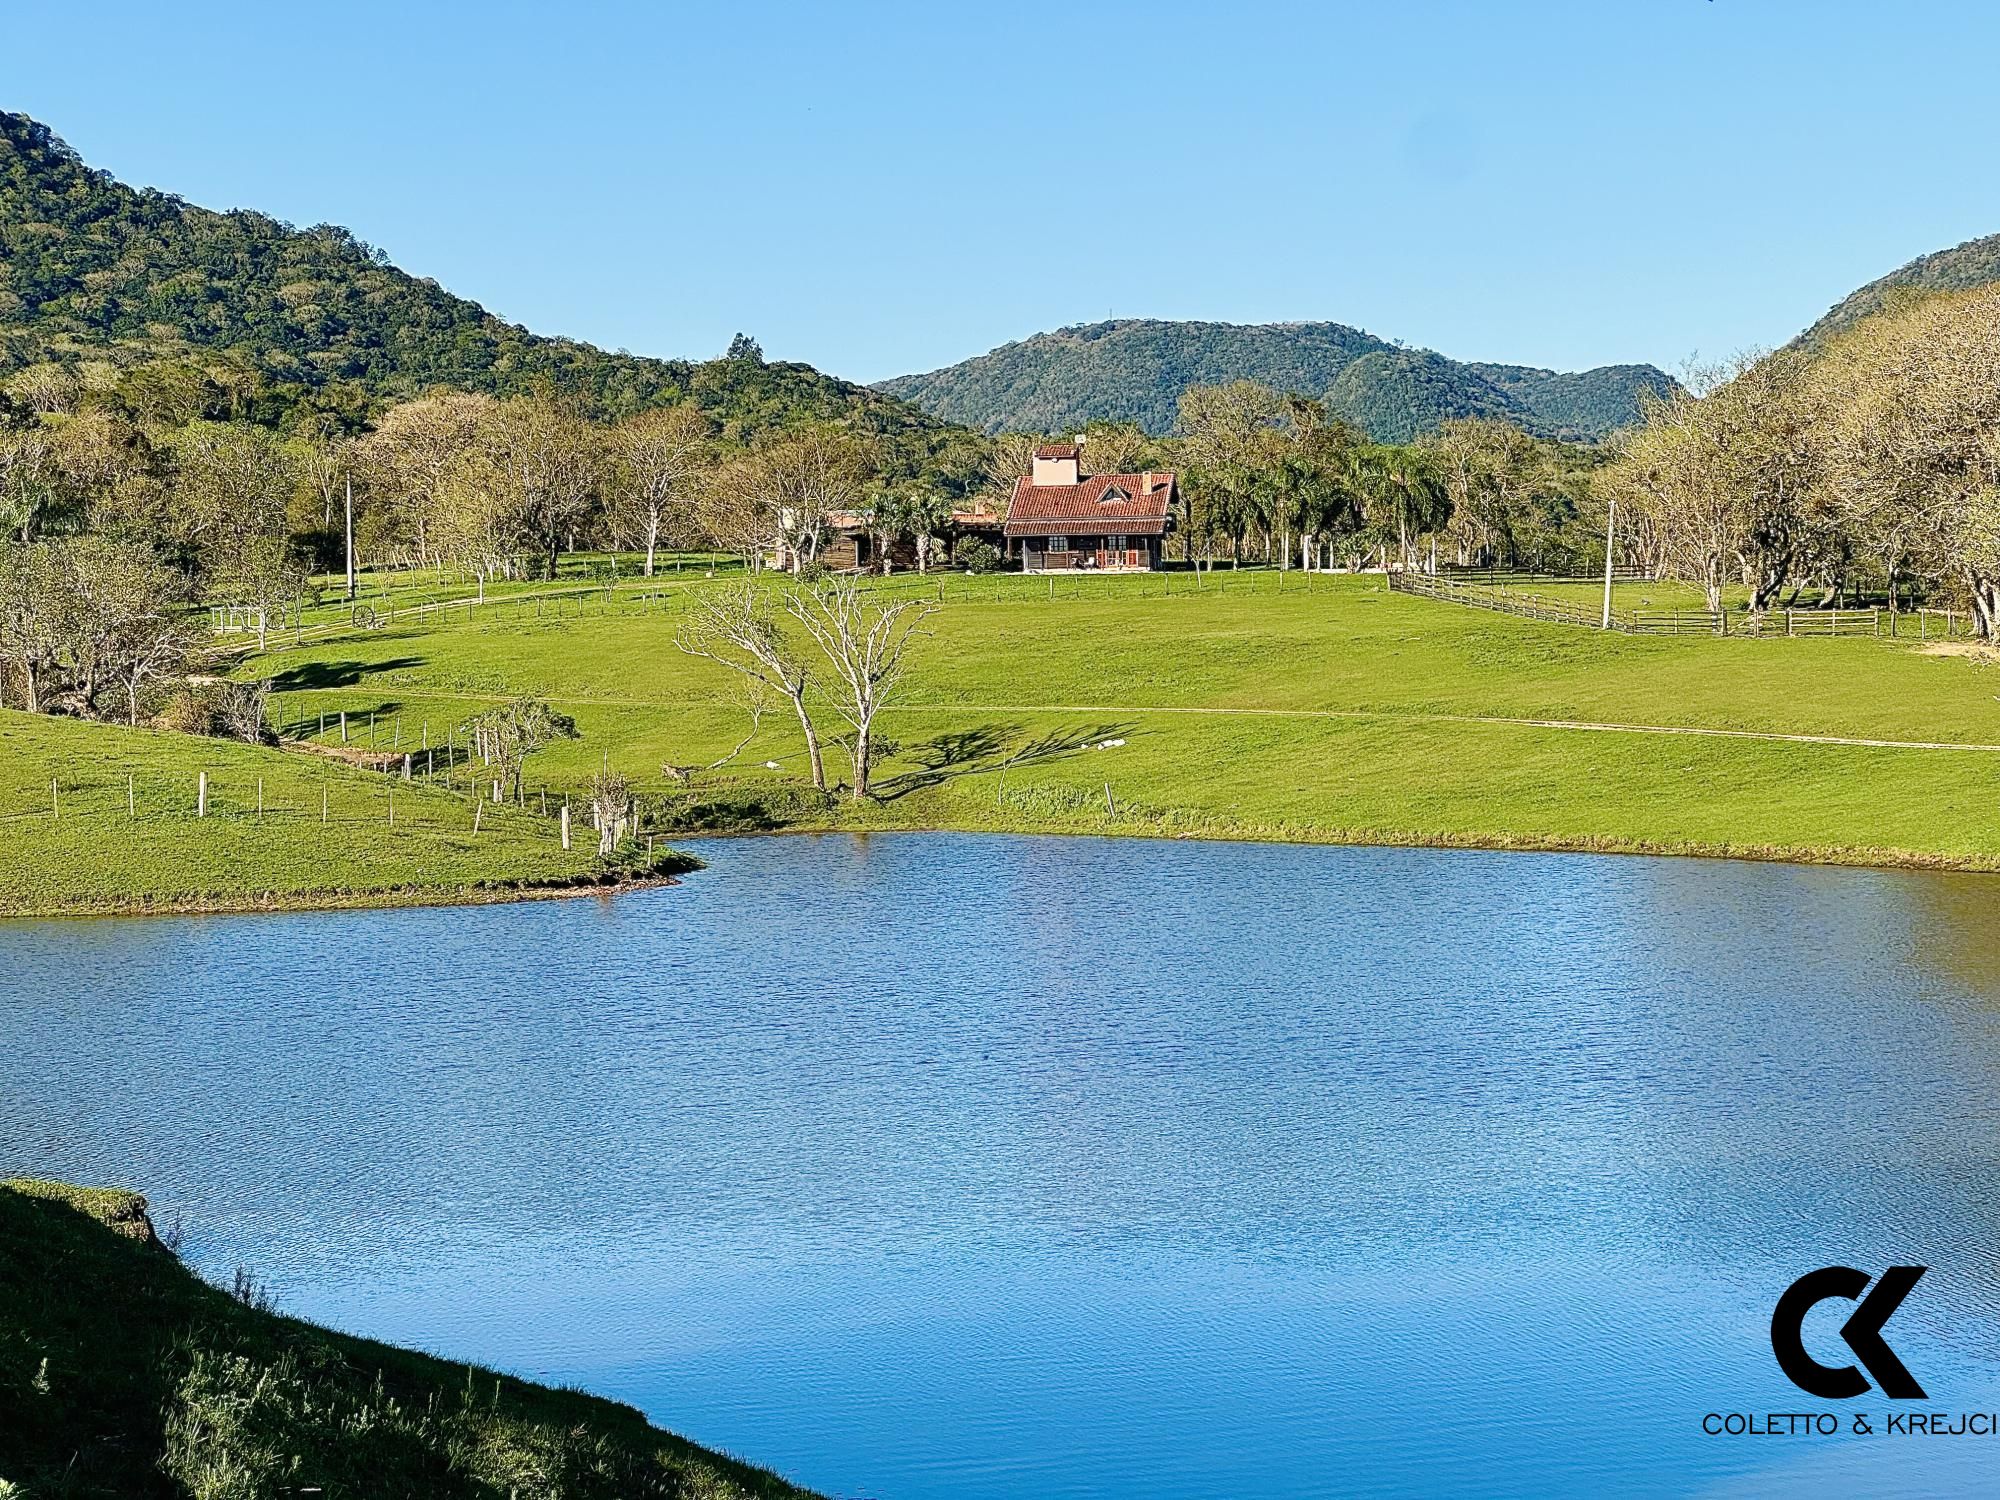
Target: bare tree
[(800, 478), (34, 627), (417, 457), (1724, 478), (548, 460), (506, 736), (232, 483), (658, 457), (241, 708), (866, 644), (611, 809), (734, 627)]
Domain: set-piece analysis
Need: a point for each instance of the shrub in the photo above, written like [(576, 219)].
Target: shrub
[(976, 555)]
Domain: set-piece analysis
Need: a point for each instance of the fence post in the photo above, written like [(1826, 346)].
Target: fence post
[(565, 823), (55, 806), (201, 796), (343, 726), (131, 797), (406, 765), (260, 796)]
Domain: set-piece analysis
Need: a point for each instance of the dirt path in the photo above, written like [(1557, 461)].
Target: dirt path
[(1421, 716)]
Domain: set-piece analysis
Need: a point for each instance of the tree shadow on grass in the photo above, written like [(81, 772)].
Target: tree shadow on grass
[(315, 675), (990, 747)]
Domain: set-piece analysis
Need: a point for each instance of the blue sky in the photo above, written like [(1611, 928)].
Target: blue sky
[(884, 188)]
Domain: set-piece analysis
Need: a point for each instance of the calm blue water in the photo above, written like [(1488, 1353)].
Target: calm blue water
[(933, 1165)]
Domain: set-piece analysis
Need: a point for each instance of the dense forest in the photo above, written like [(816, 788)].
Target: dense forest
[(1135, 369), (188, 313), (1975, 263)]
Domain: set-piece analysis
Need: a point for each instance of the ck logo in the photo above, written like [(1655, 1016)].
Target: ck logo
[(1862, 1332)]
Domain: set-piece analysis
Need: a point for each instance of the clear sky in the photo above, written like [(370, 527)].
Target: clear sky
[(884, 188)]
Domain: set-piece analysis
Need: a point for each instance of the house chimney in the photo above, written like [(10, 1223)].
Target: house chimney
[(1056, 464)]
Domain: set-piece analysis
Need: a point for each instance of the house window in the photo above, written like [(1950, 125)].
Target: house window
[(1058, 544), (1115, 543)]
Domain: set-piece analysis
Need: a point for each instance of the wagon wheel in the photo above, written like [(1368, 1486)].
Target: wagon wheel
[(365, 617)]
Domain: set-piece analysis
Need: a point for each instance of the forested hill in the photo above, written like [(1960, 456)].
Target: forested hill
[(285, 320), (1134, 369), (1974, 263)]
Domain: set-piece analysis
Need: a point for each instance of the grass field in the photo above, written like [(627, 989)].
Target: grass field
[(121, 1374), (1323, 709), (120, 829), (1320, 709)]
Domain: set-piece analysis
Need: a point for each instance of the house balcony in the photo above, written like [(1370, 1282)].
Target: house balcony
[(1087, 560)]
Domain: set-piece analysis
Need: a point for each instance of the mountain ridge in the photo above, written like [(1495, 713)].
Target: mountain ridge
[(316, 318), (1134, 369), (1961, 267)]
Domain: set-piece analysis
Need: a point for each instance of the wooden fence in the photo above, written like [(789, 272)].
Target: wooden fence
[(1510, 577), (1557, 611), (1503, 592)]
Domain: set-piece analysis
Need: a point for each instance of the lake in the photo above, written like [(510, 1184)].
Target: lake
[(929, 1165)]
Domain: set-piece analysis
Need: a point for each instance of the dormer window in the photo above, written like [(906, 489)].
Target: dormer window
[(1113, 496)]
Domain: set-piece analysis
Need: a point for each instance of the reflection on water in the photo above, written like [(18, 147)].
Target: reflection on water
[(938, 1165)]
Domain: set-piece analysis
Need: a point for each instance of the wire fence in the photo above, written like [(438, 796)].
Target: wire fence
[(1504, 592), (110, 796)]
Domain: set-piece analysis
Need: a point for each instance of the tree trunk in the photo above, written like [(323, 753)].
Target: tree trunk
[(861, 745), (812, 740), (652, 541)]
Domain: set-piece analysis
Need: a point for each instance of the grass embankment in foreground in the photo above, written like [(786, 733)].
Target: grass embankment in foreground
[(120, 831), (1326, 709), (122, 1374)]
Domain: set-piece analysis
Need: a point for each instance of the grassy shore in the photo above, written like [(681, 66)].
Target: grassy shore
[(99, 818), (122, 1374), (1256, 706)]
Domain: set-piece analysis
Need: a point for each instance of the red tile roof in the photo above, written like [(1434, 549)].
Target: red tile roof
[(1059, 450), (1136, 504)]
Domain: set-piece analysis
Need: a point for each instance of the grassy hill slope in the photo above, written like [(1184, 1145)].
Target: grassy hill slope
[(1136, 368), (120, 830), (92, 268), (122, 1374), (1304, 708)]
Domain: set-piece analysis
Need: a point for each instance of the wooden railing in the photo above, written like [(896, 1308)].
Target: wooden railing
[(1531, 606), (1109, 559), (1513, 577), (1459, 587)]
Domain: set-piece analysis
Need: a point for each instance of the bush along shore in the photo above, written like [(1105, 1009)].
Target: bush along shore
[(124, 1374)]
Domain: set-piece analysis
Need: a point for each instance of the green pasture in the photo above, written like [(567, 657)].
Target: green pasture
[(1253, 705), (1320, 708)]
